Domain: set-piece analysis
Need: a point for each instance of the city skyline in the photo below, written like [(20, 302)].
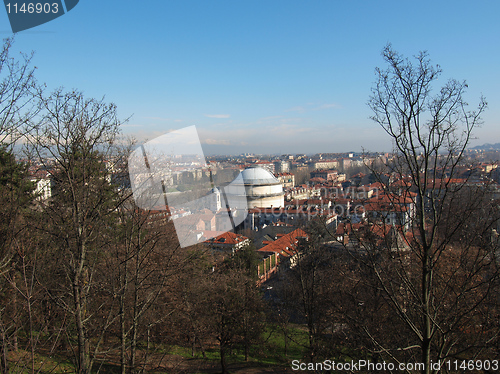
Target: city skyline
[(257, 77)]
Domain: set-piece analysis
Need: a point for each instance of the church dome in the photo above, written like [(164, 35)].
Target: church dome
[(258, 176), (261, 188)]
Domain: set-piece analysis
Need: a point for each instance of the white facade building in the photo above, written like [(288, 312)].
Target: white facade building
[(215, 200), (262, 188)]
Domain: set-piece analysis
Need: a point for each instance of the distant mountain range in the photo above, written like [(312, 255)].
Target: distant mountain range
[(487, 147)]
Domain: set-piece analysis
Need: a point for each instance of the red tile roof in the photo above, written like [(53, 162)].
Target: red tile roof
[(228, 238), (285, 245)]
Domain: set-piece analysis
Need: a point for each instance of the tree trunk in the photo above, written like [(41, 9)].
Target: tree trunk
[(133, 344), (223, 362), (15, 309), (4, 365), (123, 345), (83, 360), (135, 317), (285, 338), (426, 333)]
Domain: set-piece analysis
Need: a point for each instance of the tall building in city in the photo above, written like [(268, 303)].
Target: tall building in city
[(281, 166)]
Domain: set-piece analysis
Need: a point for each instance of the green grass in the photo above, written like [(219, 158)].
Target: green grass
[(269, 352), (20, 362), (275, 344)]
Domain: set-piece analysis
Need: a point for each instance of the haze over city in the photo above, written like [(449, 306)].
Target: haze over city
[(257, 76)]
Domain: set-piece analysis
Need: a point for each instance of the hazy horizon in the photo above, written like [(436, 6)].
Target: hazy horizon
[(257, 76)]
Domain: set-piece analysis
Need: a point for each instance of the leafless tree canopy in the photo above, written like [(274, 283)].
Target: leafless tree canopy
[(17, 94), (447, 272)]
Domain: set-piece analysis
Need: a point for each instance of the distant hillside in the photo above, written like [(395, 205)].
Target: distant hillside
[(487, 147)]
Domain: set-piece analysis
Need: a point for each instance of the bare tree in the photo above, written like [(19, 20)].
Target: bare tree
[(222, 304), (18, 102), (439, 274), (73, 140), (144, 262), (311, 290), (16, 194), (18, 105)]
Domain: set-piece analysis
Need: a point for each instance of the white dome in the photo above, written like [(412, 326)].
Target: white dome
[(258, 176), (261, 188)]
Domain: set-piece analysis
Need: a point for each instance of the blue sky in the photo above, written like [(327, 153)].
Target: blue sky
[(273, 76)]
